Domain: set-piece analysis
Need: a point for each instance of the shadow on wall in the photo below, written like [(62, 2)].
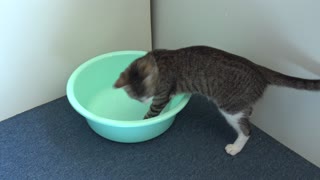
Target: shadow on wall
[(272, 46), (247, 29)]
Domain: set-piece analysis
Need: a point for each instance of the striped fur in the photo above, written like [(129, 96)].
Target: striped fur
[(232, 82)]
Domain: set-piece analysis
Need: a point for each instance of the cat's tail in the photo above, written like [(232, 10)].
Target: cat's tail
[(280, 79)]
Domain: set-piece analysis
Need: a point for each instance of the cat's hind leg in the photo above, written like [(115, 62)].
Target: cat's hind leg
[(240, 123)]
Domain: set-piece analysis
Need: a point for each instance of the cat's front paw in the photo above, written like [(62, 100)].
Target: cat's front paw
[(232, 149), (146, 117)]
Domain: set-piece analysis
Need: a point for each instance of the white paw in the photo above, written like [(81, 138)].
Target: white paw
[(232, 149)]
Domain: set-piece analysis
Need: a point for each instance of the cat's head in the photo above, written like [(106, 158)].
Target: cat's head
[(139, 78)]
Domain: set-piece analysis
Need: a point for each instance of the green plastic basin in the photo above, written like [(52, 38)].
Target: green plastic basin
[(110, 112)]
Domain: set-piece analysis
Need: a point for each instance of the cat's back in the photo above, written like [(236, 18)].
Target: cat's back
[(202, 59), (198, 54)]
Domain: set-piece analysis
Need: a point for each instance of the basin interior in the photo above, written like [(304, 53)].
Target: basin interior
[(93, 89)]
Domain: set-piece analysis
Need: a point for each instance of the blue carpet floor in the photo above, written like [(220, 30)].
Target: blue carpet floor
[(52, 141)]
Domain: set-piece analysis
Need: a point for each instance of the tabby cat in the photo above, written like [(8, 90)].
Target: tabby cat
[(232, 82)]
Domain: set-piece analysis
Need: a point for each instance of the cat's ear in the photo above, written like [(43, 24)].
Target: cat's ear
[(121, 81), (148, 81), (148, 65), (150, 71)]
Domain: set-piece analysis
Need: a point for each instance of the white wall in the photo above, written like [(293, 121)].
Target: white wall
[(43, 41), (282, 35)]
